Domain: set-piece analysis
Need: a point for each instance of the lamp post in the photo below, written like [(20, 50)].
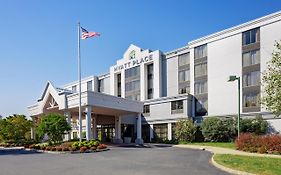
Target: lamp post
[(233, 78)]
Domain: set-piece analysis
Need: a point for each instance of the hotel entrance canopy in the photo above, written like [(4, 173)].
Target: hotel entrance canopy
[(66, 102), (56, 99)]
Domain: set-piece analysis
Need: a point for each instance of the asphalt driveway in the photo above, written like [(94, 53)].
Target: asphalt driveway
[(154, 160)]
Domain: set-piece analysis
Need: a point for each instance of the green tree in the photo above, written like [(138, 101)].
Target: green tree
[(272, 82), (15, 128), (185, 130), (54, 125)]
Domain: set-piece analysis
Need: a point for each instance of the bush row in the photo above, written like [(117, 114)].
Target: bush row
[(11, 143), (68, 146), (88, 144), (270, 144), (218, 129)]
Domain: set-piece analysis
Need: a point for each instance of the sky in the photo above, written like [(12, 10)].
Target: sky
[(38, 38)]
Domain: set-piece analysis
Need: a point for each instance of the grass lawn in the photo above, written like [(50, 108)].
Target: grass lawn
[(229, 145), (256, 165)]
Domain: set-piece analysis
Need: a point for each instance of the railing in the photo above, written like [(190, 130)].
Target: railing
[(60, 90)]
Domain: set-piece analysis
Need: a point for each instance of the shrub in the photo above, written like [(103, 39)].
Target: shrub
[(58, 148), (257, 126), (83, 149), (88, 144), (218, 129), (185, 130), (70, 149), (65, 149), (32, 146), (102, 146), (93, 148), (48, 148), (53, 149), (261, 144), (198, 135)]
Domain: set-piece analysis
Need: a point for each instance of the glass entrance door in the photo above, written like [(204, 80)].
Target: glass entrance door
[(106, 133)]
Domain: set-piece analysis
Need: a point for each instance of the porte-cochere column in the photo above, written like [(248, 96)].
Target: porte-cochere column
[(88, 114), (139, 139), (117, 138)]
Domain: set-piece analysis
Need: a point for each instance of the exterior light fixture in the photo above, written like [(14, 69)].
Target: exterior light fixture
[(230, 79)]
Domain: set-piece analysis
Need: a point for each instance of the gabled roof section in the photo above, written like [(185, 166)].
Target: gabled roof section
[(45, 90), (129, 52), (50, 90)]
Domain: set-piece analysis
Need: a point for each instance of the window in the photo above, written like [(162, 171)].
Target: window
[(184, 76), (184, 59), (75, 135), (177, 105), (118, 85), (251, 99), (160, 131), (251, 58), (89, 86), (146, 109), (132, 85), (200, 69), (101, 85), (250, 37), (135, 71), (251, 79), (174, 131), (150, 94), (200, 51), (201, 87), (184, 90), (74, 88), (150, 81)]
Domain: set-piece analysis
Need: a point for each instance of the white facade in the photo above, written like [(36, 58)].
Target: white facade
[(189, 82)]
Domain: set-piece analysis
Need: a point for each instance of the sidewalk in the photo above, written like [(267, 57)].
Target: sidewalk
[(218, 150)]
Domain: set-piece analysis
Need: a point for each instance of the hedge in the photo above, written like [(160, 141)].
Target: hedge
[(270, 144)]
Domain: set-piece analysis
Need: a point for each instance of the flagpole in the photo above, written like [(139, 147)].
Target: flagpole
[(79, 77)]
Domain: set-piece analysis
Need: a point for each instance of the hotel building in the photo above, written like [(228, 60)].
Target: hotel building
[(146, 92)]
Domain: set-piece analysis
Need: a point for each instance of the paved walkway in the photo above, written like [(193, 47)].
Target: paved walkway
[(218, 150)]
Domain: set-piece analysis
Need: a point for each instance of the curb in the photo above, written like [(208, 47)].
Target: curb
[(229, 170)]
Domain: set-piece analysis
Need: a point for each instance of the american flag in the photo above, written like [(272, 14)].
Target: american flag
[(85, 34)]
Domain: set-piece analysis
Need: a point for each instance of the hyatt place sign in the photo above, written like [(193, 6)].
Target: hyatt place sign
[(133, 63)]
